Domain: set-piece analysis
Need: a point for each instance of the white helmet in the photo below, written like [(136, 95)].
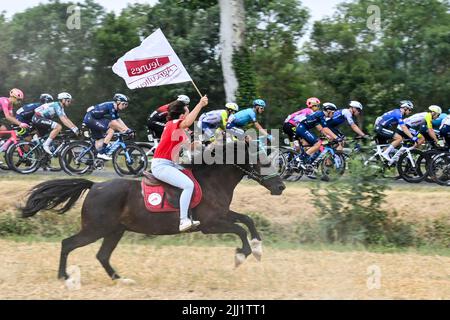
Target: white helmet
[(64, 95), (327, 106), (435, 109), (406, 104), (232, 106), (184, 99), (356, 104)]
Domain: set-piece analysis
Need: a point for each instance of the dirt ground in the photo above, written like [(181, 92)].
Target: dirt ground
[(28, 270)]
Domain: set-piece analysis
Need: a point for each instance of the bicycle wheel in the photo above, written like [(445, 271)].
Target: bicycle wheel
[(77, 158), (408, 167), (130, 161), (332, 166), (24, 157), (439, 169), (423, 161), (380, 168)]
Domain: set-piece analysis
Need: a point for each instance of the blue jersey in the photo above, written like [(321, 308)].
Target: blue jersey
[(242, 118), (105, 110), (314, 119), (437, 122), (339, 117), (391, 118), (25, 113)]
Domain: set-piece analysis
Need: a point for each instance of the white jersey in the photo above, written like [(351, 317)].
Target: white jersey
[(445, 122), (419, 119)]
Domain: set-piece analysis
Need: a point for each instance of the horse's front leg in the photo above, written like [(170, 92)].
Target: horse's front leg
[(225, 226), (255, 243)]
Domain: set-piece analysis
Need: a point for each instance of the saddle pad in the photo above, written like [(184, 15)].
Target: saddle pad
[(156, 198)]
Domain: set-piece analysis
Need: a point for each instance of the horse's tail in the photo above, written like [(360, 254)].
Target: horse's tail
[(50, 194)]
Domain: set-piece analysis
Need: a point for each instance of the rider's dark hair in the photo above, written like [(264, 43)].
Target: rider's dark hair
[(176, 109)]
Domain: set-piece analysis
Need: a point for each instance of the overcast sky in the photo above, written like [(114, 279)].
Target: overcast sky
[(318, 8)]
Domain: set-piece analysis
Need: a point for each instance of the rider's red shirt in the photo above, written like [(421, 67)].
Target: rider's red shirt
[(171, 141)]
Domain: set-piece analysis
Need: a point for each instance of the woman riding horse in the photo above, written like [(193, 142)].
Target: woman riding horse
[(116, 206)]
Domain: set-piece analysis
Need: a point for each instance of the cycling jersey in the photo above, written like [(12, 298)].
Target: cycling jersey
[(314, 120), (50, 110), (437, 122), (296, 117), (160, 114), (105, 110), (390, 118), (26, 113), (215, 118), (419, 119), (242, 118), (445, 122), (6, 106), (339, 117)]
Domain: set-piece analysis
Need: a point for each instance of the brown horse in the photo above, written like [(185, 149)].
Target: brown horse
[(116, 206)]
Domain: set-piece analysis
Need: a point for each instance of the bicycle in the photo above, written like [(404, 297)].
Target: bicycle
[(402, 164), (327, 160), (150, 146), (14, 133), (27, 157), (79, 157)]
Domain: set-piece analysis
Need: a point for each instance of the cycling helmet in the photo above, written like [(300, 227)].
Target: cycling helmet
[(64, 95), (406, 104), (184, 99), (46, 98), (356, 104), (16, 93), (328, 106), (232, 106), (311, 102), (435, 109), (259, 102), (120, 97)]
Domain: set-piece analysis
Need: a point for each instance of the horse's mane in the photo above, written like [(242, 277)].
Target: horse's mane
[(198, 162)]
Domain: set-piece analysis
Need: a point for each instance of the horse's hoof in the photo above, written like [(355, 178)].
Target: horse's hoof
[(125, 281), (239, 259), (73, 282), (256, 246)]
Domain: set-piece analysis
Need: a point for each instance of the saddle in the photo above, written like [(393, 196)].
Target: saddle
[(162, 197)]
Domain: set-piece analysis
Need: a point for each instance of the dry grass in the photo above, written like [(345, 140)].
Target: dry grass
[(28, 271)]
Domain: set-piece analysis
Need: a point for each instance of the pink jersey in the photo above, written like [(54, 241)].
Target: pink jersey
[(6, 107), (298, 116)]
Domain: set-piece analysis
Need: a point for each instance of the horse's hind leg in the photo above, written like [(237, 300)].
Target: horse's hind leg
[(255, 243), (81, 239), (104, 254), (224, 226)]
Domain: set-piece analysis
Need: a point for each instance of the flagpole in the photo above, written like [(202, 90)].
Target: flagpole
[(196, 88)]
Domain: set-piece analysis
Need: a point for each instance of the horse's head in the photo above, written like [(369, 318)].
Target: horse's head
[(263, 169)]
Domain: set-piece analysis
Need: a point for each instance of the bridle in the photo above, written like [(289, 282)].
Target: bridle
[(255, 175)]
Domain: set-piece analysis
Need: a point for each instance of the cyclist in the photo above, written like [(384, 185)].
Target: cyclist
[(346, 115), (215, 121), (7, 114), (158, 118), (245, 119), (385, 127), (316, 120), (103, 120), (43, 115), (423, 123), (25, 114), (291, 122)]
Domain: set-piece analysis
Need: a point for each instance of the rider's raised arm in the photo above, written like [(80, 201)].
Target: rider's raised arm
[(189, 120)]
